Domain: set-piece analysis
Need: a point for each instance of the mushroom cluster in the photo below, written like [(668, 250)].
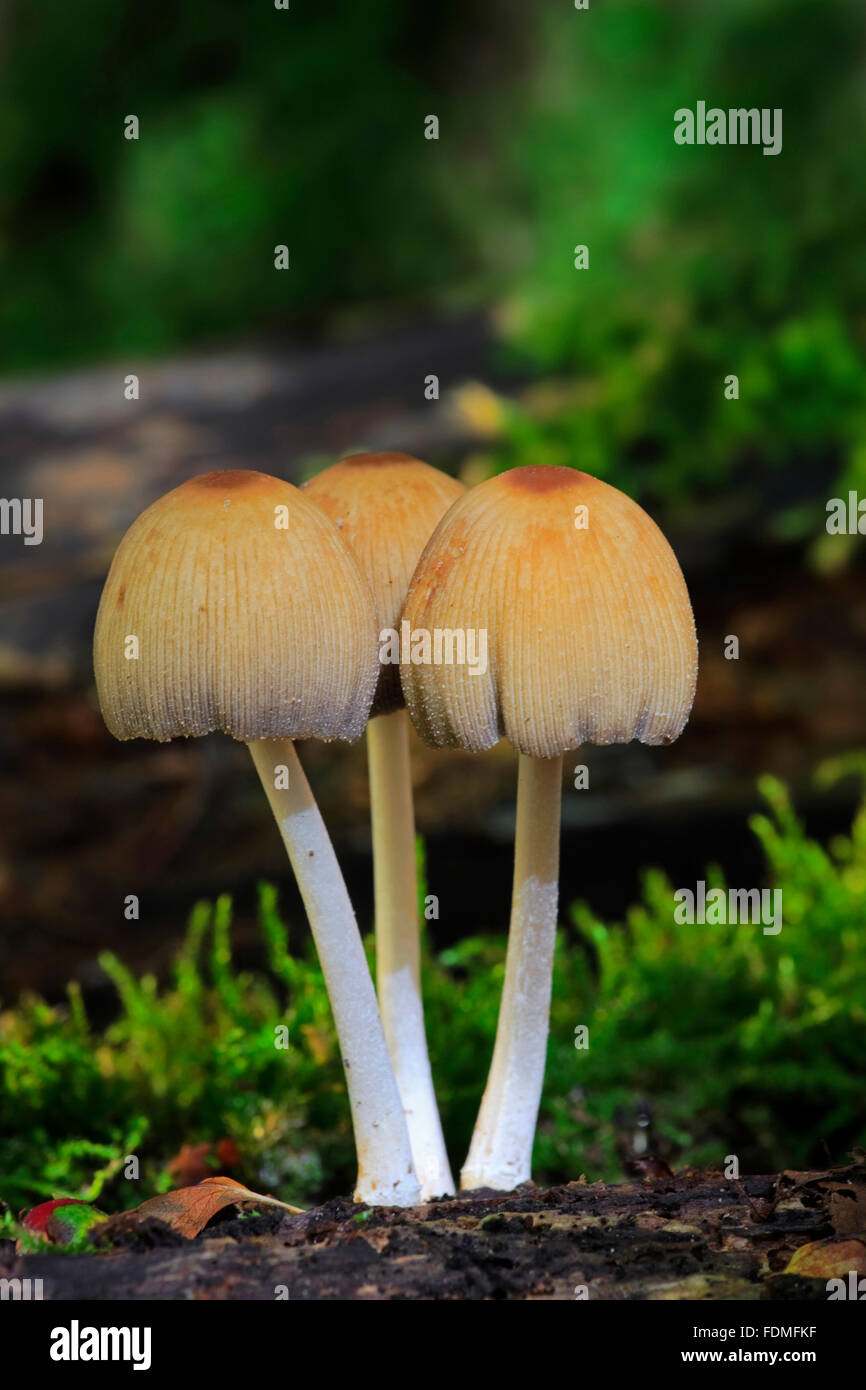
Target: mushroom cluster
[(212, 620)]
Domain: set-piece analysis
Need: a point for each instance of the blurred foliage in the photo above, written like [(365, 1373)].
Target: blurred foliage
[(704, 261), (257, 127), (735, 1042), (306, 128)]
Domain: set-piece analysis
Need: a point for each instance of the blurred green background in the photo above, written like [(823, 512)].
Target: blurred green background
[(306, 128), (410, 256)]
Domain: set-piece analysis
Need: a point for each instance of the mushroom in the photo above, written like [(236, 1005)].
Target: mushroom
[(591, 639), (232, 604), (386, 506)]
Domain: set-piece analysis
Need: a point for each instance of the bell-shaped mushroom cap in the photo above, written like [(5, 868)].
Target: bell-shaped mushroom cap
[(386, 507), (249, 615), (590, 634)]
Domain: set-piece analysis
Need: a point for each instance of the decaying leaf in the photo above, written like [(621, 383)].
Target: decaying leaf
[(195, 1162), (62, 1221), (761, 1209), (649, 1168), (36, 1219), (848, 1208), (190, 1164), (829, 1259), (189, 1209)]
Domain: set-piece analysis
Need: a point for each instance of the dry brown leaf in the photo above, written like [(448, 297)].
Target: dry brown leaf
[(790, 1177), (848, 1208), (189, 1209), (761, 1209)]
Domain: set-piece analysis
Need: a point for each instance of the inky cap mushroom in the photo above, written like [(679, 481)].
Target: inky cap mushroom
[(590, 639), (386, 507), (249, 616), (232, 604)]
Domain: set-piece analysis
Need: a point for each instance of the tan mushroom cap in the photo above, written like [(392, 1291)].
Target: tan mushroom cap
[(591, 637), (243, 626), (386, 507)]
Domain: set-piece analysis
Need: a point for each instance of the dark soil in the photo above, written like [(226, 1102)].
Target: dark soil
[(696, 1236)]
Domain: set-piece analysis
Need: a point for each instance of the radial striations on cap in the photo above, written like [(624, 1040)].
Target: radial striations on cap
[(386, 507), (590, 632), (250, 615)]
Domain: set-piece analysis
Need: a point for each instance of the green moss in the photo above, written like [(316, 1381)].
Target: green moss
[(738, 1042)]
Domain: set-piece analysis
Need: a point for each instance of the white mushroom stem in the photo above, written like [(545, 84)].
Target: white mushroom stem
[(500, 1155), (398, 971), (386, 1173)]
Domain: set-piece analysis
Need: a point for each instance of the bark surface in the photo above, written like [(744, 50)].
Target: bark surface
[(695, 1235)]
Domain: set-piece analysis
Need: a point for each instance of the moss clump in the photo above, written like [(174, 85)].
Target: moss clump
[(735, 1042)]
